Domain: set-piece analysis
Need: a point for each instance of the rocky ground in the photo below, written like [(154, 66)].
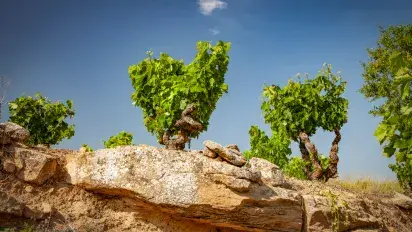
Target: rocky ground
[(143, 188)]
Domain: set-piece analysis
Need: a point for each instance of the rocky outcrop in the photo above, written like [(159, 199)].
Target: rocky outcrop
[(189, 185), (143, 188), (325, 212)]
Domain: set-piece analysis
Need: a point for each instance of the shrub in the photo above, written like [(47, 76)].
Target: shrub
[(177, 100), (43, 119), (88, 148), (295, 112), (121, 139)]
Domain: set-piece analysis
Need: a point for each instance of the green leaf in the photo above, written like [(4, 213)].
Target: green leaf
[(380, 132), (388, 151), (401, 144)]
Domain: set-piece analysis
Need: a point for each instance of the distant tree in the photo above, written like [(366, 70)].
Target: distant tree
[(296, 111), (43, 119), (121, 139), (388, 77), (177, 100)]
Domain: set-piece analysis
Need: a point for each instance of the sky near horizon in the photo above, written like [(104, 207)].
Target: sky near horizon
[(81, 50)]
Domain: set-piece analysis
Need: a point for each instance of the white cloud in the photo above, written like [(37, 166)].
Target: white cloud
[(214, 31), (207, 6)]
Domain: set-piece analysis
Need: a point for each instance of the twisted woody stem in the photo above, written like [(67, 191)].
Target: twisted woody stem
[(313, 155), (332, 170), (187, 125)]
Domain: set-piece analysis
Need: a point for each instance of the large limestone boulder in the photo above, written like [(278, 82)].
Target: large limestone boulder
[(190, 185)]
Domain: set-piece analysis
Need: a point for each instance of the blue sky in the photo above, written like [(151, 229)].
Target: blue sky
[(81, 50)]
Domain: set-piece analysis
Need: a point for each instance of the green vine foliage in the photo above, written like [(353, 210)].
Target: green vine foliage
[(43, 119), (165, 86), (295, 166), (387, 76), (121, 139), (275, 149), (306, 105), (395, 130), (88, 148)]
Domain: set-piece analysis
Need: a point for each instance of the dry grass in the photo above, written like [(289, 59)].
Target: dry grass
[(369, 186)]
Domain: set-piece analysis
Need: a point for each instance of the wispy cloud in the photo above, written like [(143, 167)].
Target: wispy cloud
[(208, 6), (214, 31)]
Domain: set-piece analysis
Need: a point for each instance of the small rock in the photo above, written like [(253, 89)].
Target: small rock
[(402, 201), (270, 173), (233, 146), (230, 155), (34, 167), (28, 189), (239, 185), (9, 205), (38, 212), (50, 191), (12, 132), (207, 152), (9, 166)]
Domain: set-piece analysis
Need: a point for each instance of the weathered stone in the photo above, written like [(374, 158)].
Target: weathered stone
[(190, 184), (230, 155), (28, 189), (12, 132), (233, 146), (33, 166), (320, 214), (40, 212), (239, 185), (9, 205), (208, 153), (9, 166), (82, 150), (270, 173), (402, 201)]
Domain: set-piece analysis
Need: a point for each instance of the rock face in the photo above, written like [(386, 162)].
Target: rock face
[(322, 213), (190, 185), (143, 188)]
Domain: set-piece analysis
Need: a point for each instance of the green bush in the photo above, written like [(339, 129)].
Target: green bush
[(121, 139), (295, 112), (275, 149), (88, 148), (296, 166), (165, 87), (43, 119)]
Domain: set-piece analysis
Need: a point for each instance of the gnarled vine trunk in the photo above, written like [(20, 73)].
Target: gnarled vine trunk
[(313, 155), (332, 170), (306, 158), (310, 153), (187, 125)]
